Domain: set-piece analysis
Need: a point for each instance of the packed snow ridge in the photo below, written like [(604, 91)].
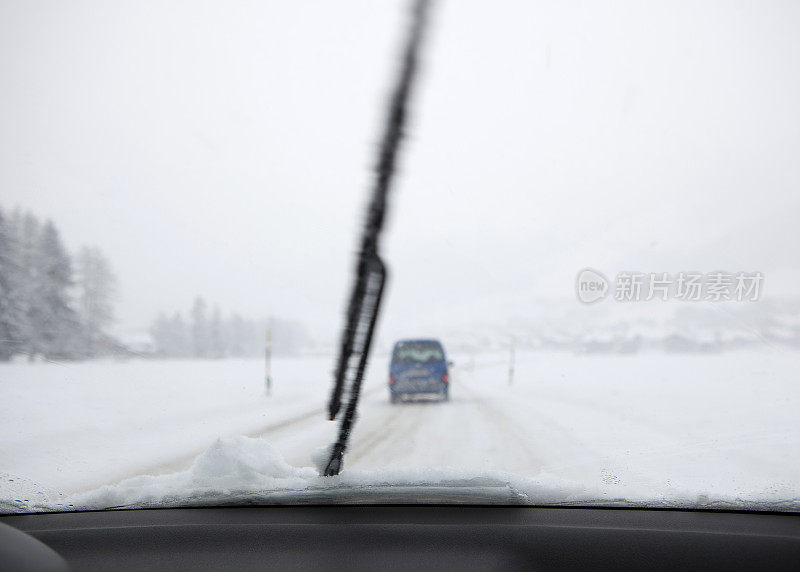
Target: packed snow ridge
[(243, 470)]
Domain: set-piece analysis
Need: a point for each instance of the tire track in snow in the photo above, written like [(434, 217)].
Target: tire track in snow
[(547, 437), (467, 432), (291, 421), (381, 430), (183, 462), (409, 435), (508, 429)]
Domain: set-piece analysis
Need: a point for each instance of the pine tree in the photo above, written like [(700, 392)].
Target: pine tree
[(181, 340), (97, 288), (54, 321), (236, 341), (252, 339), (12, 312), (26, 229), (217, 335), (161, 331), (200, 333)]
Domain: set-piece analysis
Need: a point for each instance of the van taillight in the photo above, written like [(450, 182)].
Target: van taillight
[(391, 379), (445, 378)]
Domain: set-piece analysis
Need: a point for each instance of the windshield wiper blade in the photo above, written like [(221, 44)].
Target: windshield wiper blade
[(367, 292), (372, 277)]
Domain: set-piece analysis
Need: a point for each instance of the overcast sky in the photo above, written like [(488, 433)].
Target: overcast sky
[(224, 149)]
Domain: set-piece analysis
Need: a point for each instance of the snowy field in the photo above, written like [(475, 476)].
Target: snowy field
[(647, 428)]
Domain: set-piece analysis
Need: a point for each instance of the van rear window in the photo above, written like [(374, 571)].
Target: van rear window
[(416, 352)]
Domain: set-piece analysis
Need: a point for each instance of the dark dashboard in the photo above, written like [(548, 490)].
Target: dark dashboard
[(404, 538)]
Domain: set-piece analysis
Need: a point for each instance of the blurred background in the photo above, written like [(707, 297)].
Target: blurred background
[(216, 158)]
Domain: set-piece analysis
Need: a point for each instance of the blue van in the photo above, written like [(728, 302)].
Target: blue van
[(418, 367)]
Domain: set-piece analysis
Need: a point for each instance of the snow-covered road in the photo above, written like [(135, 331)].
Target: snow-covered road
[(637, 427)]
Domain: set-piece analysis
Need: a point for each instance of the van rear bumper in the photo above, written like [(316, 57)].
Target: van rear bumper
[(415, 387)]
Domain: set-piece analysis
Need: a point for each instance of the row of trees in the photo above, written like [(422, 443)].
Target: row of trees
[(51, 304), (207, 334)]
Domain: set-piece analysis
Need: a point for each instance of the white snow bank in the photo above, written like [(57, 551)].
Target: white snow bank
[(78, 426), (244, 470)]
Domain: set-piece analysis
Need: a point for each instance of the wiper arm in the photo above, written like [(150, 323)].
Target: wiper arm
[(365, 299)]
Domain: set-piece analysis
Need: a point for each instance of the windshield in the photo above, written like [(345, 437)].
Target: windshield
[(417, 352), (307, 252)]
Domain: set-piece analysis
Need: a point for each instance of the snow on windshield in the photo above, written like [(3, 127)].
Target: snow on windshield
[(593, 212)]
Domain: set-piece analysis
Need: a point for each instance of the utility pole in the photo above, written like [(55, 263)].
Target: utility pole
[(268, 359), (511, 362)]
